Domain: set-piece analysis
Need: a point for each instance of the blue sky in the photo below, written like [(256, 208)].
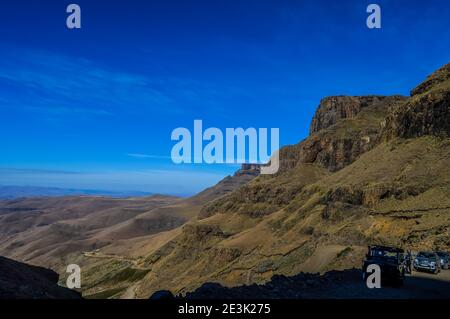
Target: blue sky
[(94, 108)]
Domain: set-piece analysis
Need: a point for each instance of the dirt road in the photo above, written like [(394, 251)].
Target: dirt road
[(417, 286)]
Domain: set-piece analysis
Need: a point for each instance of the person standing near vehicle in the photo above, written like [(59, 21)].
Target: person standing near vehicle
[(408, 261)]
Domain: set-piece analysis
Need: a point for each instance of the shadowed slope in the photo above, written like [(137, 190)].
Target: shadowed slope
[(22, 281)]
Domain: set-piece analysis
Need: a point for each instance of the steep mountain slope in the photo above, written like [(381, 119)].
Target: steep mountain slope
[(22, 281), (358, 179)]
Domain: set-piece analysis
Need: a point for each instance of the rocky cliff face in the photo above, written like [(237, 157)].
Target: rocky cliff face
[(427, 112), (334, 108), (249, 169), (333, 153), (344, 127), (333, 147)]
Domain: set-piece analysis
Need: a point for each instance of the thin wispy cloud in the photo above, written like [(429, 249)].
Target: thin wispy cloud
[(59, 84), (138, 155), (62, 84)]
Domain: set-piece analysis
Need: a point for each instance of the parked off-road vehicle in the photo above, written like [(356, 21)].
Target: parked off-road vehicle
[(444, 259), (391, 261), (427, 261)]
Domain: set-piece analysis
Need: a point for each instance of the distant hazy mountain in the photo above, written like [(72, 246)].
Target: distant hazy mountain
[(11, 192)]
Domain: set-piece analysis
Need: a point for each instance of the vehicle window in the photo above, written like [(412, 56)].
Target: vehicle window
[(427, 255), (384, 253)]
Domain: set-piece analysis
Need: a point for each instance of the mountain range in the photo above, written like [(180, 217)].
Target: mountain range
[(13, 192), (373, 170)]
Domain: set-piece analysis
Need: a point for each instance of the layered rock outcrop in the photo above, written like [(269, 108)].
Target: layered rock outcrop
[(335, 153), (427, 112), (345, 127), (334, 108)]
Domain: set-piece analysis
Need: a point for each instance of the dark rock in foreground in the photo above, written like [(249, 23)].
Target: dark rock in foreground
[(162, 295), (22, 281), (279, 287), (346, 284)]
